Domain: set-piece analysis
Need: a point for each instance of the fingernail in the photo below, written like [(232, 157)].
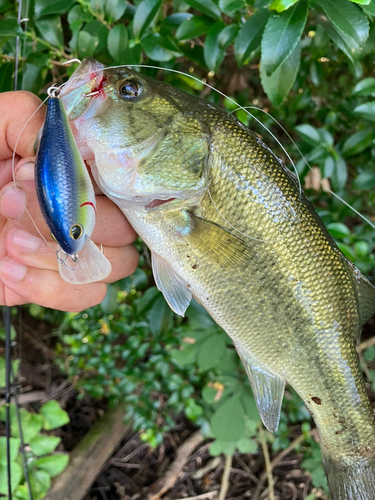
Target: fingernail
[(13, 203), (12, 270), (26, 242), (26, 172)]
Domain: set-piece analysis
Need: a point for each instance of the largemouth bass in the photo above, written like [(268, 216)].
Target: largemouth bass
[(227, 224)]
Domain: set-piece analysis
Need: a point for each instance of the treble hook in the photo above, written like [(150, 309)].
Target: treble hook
[(65, 257), (71, 61)]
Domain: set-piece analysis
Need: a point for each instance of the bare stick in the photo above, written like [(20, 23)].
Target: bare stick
[(225, 478), (267, 461), (162, 485), (209, 494), (367, 343)]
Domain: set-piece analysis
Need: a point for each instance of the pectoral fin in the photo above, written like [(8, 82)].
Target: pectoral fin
[(174, 288), (92, 266), (268, 391)]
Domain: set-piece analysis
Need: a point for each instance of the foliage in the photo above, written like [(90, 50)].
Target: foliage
[(43, 462), (308, 62)]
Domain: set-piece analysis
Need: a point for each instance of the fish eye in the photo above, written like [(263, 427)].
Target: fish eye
[(76, 231), (130, 89)]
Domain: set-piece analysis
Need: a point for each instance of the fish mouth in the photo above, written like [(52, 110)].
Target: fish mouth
[(156, 203)]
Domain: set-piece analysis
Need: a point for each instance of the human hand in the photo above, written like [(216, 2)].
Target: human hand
[(28, 265)]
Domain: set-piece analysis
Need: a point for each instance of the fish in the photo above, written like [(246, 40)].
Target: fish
[(227, 224), (67, 199)]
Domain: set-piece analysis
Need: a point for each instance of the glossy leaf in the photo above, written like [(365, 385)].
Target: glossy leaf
[(77, 14), (281, 5), (53, 415), (281, 36), (213, 53), (227, 423), (365, 87), (40, 483), (229, 7), (117, 42), (14, 445), (174, 21), (193, 27), (366, 111), (51, 30), (227, 35), (10, 27), (98, 30), (348, 18), (361, 2), (338, 230), (48, 7), (87, 44), (309, 134), (207, 7), (4, 6), (340, 173), (160, 316), (279, 84), (159, 48), (114, 9), (337, 36), (358, 142), (250, 35), (144, 15), (365, 180), (53, 464)]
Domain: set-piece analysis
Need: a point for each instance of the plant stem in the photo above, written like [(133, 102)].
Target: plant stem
[(267, 462), (225, 478)]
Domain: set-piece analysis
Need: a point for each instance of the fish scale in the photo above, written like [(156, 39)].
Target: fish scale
[(233, 230)]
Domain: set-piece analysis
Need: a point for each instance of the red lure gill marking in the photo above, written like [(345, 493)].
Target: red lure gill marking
[(99, 86), (88, 203)]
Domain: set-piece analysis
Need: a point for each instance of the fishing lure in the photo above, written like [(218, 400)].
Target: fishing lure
[(66, 198)]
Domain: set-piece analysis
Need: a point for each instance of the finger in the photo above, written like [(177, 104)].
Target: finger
[(22, 105), (29, 250), (111, 226), (46, 288)]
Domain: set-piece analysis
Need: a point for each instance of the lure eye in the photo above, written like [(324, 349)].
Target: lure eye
[(76, 231), (130, 89)]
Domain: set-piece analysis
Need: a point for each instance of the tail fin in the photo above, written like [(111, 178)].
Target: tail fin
[(354, 480)]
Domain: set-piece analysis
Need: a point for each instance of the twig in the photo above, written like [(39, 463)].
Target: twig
[(209, 494), (225, 478), (367, 343), (267, 461), (275, 461), (162, 485)]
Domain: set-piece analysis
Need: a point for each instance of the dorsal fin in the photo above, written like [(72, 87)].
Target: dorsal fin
[(366, 296)]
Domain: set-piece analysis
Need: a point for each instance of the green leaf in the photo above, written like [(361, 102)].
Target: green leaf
[(211, 352), (185, 356), (227, 423), (15, 477), (282, 35), (77, 14), (144, 15), (98, 30), (31, 425), (347, 18), (247, 445), (358, 142), (14, 444), (53, 464), (54, 416), (22, 492), (361, 2), (250, 35), (279, 84), (207, 7), (160, 317), (10, 27), (337, 37), (281, 5), (309, 134), (218, 447), (117, 42), (340, 173), (365, 180), (48, 7), (370, 8), (40, 483), (338, 230), (365, 87), (159, 48), (51, 30), (213, 53), (32, 78), (193, 27), (227, 35), (4, 6), (362, 249), (87, 44), (114, 9), (41, 445), (366, 111), (229, 7)]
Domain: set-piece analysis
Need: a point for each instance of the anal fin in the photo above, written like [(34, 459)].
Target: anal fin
[(174, 288), (268, 391)]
